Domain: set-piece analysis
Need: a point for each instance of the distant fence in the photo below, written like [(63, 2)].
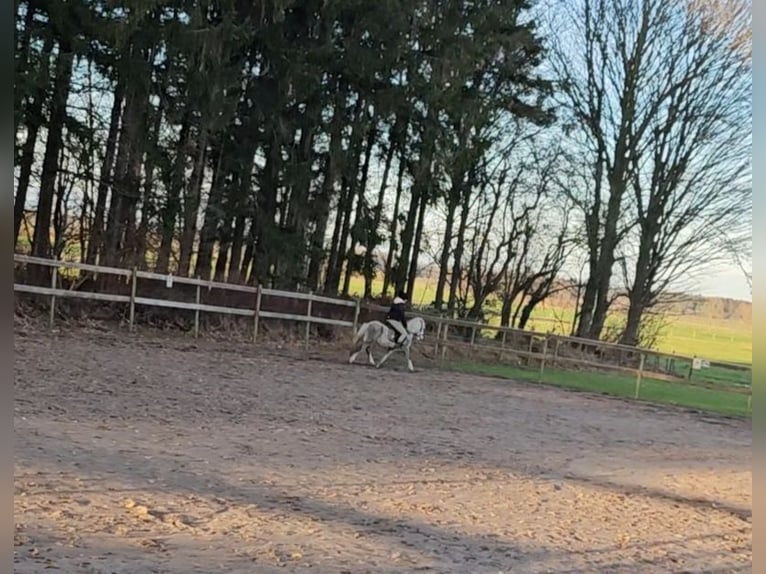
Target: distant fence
[(449, 339)]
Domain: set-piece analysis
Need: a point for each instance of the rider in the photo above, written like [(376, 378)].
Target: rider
[(396, 318)]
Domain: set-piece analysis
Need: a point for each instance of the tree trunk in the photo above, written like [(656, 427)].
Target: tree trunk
[(148, 208), (345, 204), (126, 191), (59, 210), (239, 213), (607, 254), (526, 313), (105, 178), (592, 226), (237, 249), (389, 275), (331, 283), (441, 283), (321, 210), (192, 199), (344, 236), (33, 116), (402, 263), (170, 211), (296, 242), (246, 269), (267, 239), (224, 251), (323, 199), (372, 232), (505, 311), (457, 271), (352, 231), (41, 244), (630, 336), (358, 225), (457, 265), (210, 225), (413, 271), (22, 69), (639, 293), (322, 215)]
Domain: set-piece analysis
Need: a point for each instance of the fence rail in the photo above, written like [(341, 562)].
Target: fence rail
[(544, 348)]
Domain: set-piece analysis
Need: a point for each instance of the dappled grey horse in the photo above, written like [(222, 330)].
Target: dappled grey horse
[(378, 333)]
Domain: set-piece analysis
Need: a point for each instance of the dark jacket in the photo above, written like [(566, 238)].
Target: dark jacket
[(396, 312)]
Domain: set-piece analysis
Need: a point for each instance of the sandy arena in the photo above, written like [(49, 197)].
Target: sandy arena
[(148, 454)]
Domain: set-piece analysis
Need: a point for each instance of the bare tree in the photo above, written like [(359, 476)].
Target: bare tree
[(691, 178), (631, 76), (517, 240), (602, 57)]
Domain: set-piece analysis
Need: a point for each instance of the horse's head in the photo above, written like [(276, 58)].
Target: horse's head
[(417, 327)]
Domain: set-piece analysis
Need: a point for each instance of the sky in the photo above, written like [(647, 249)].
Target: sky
[(727, 282)]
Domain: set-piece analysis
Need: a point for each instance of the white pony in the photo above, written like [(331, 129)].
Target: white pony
[(377, 332)]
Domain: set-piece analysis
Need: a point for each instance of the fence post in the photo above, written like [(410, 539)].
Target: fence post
[(502, 346), (257, 314), (438, 335), (555, 351), (133, 284), (445, 336), (357, 309), (52, 318), (197, 300), (308, 316), (529, 350), (542, 361), (473, 335), (639, 374)]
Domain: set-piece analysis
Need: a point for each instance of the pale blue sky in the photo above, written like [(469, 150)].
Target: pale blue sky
[(728, 282)]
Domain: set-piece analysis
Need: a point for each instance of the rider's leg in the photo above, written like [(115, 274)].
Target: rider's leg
[(401, 330)]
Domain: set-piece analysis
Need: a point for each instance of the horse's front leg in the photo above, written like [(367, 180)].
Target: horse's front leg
[(369, 355), (409, 361), (385, 357)]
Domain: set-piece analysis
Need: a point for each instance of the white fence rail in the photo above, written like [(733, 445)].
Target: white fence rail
[(133, 300)]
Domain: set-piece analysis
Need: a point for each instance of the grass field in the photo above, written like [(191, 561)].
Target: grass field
[(715, 340), (619, 385)]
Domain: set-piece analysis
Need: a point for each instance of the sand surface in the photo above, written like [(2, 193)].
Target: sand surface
[(148, 454)]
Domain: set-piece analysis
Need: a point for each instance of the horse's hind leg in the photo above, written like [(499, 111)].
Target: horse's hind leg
[(385, 357), (354, 352)]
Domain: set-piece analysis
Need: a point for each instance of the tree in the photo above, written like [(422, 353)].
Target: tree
[(692, 181), (246, 142), (656, 159), (602, 57)]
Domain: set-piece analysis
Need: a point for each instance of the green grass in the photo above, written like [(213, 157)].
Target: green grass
[(715, 340), (619, 385)]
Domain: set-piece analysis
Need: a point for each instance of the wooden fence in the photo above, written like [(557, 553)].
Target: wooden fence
[(534, 349)]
